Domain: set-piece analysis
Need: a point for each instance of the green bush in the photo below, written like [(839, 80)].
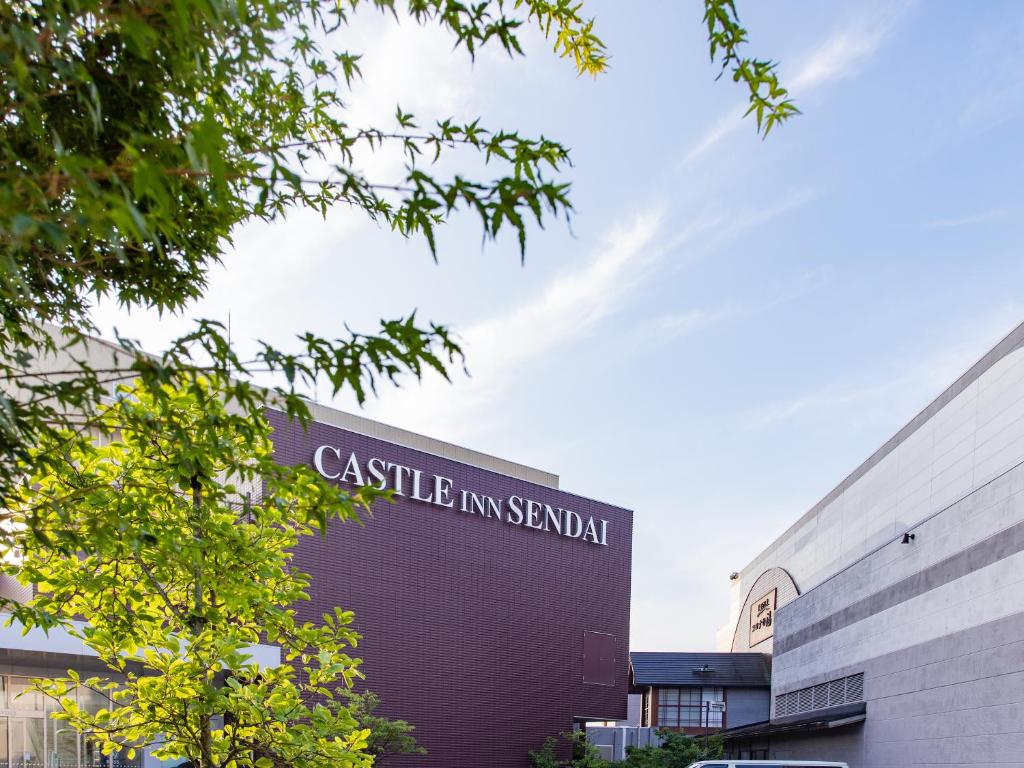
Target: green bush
[(676, 751), (584, 754)]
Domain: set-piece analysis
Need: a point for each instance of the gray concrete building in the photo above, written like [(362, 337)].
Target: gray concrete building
[(894, 608)]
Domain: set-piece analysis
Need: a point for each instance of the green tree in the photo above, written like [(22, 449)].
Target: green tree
[(387, 737), (191, 526), (677, 750), (584, 754), (137, 135)]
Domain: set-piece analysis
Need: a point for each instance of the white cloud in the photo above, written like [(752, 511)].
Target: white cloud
[(409, 65), (841, 55), (573, 303), (995, 104), (976, 218), (898, 399), (846, 51), (996, 69), (677, 323), (501, 350), (823, 400), (722, 128), (667, 327), (402, 63), (567, 309)]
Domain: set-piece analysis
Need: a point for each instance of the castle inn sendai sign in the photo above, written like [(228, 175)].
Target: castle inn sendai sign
[(439, 491), (762, 618)]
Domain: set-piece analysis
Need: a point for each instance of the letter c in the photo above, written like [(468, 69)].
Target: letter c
[(318, 461)]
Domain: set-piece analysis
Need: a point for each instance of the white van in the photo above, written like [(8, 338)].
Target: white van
[(767, 764)]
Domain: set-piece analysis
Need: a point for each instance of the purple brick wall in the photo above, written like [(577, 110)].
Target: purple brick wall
[(472, 627)]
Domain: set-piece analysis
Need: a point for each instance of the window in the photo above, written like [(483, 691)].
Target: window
[(713, 707), (691, 707), (21, 694), (30, 739)]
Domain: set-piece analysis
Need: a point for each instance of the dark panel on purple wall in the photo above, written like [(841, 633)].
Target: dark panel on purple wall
[(473, 628), (599, 658)]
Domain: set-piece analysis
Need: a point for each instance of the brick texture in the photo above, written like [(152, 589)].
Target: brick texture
[(472, 628)]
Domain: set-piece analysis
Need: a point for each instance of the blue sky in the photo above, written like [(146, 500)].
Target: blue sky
[(732, 324)]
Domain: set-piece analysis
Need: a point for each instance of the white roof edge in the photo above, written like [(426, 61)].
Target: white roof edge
[(362, 425), (98, 352)]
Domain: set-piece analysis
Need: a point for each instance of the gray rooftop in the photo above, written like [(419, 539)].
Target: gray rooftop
[(725, 670)]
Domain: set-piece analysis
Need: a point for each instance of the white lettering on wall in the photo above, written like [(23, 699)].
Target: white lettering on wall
[(376, 469), (515, 510), (439, 491), (443, 492), (352, 473), (318, 461)]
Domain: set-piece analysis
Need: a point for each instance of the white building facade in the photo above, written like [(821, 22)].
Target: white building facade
[(894, 609)]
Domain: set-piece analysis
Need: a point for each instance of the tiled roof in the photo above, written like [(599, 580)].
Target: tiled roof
[(733, 670)]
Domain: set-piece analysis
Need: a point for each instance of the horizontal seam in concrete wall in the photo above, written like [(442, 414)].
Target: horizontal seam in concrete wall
[(915, 527), (1010, 343), (1001, 545), (954, 685)]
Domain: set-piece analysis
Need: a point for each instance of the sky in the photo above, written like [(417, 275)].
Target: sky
[(730, 325)]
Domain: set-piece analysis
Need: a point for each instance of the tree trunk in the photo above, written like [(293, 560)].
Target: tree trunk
[(198, 619)]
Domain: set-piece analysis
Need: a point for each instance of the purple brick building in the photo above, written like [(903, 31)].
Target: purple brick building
[(494, 607)]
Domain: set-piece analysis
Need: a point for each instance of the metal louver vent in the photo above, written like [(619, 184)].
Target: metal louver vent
[(785, 704), (819, 696), (855, 687), (836, 692), (845, 690), (804, 701)]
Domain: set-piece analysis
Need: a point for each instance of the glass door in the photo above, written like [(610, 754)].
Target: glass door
[(30, 738), (61, 745), (5, 760), (27, 748)]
